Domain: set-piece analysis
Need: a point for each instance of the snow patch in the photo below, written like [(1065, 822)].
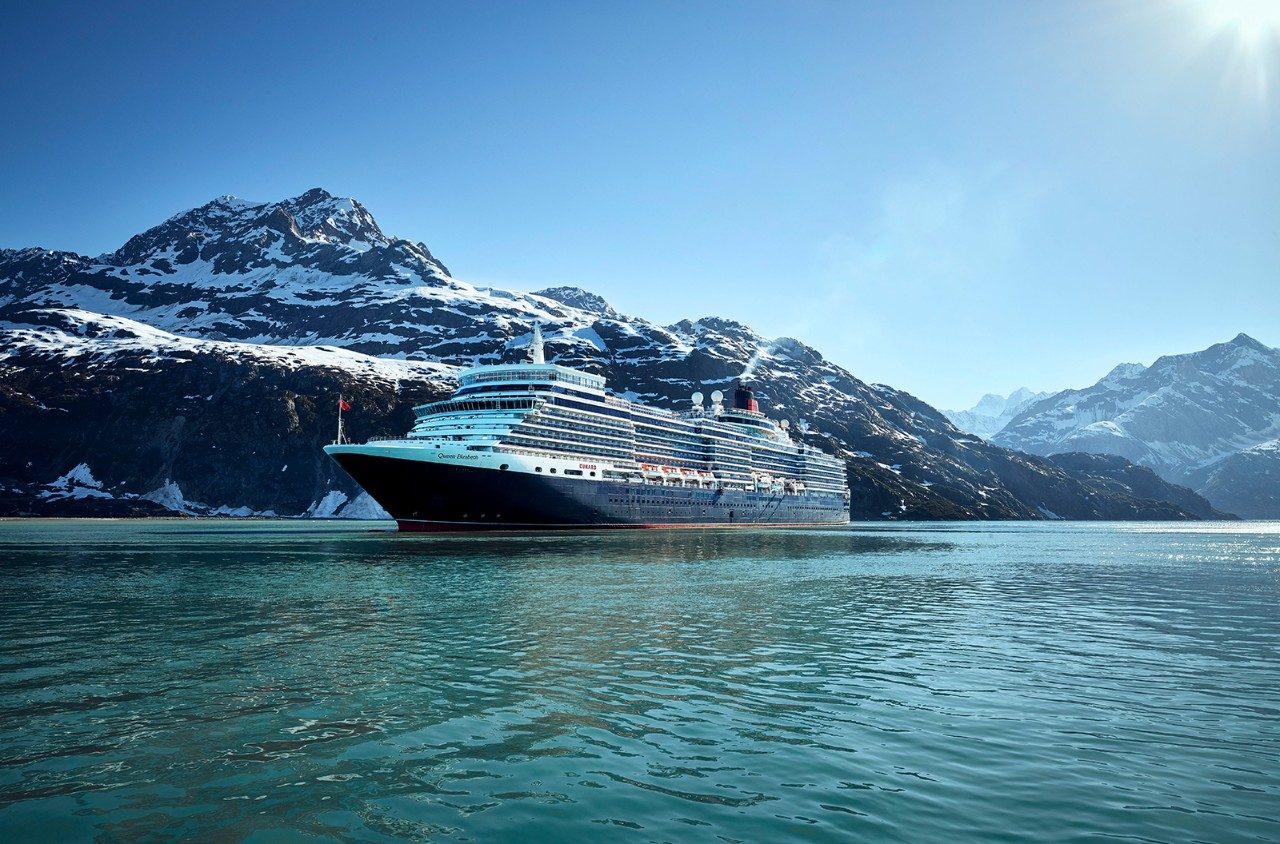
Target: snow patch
[(80, 476), (169, 495), (590, 335), (327, 507), (362, 507)]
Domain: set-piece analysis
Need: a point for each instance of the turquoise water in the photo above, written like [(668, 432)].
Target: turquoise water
[(276, 681)]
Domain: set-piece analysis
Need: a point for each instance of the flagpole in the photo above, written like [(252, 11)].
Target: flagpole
[(339, 419)]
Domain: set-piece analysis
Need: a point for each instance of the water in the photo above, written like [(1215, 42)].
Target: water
[(303, 682)]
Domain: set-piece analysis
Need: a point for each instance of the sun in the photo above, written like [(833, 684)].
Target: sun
[(1254, 23), (1250, 30)]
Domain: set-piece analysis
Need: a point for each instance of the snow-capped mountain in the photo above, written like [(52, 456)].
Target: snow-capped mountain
[(992, 412), (196, 368), (1186, 416), (314, 270)]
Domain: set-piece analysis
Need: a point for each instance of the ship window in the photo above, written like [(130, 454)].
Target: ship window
[(553, 470), (504, 467), (537, 468), (593, 474), (573, 471)]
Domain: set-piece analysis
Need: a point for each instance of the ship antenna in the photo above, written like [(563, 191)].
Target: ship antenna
[(535, 346)]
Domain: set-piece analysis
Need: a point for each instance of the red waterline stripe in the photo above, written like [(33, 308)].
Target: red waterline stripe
[(415, 526)]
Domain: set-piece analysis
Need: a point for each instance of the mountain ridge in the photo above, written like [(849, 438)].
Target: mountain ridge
[(267, 280), (1186, 416)]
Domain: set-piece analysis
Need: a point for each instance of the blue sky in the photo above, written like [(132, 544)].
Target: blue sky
[(952, 198)]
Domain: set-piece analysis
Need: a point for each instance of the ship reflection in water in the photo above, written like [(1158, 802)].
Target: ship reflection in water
[(666, 546), (239, 680)]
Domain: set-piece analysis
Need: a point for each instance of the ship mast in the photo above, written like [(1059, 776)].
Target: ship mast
[(536, 353)]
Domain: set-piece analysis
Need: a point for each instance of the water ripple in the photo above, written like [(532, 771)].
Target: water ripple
[(163, 680)]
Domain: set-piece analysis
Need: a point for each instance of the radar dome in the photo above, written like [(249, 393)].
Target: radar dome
[(697, 398), (717, 396)]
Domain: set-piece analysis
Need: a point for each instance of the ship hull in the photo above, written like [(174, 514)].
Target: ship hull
[(427, 496)]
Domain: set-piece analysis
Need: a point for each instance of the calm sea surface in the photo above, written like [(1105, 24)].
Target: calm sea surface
[(286, 681)]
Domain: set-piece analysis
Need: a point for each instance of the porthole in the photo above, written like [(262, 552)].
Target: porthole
[(553, 470), (504, 467), (537, 468)]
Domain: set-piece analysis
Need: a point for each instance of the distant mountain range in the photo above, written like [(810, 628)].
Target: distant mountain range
[(992, 412), (196, 370), (1209, 420)]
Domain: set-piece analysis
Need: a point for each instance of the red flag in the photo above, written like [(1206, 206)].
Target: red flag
[(343, 406)]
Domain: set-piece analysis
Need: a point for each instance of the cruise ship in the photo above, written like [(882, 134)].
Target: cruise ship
[(537, 445)]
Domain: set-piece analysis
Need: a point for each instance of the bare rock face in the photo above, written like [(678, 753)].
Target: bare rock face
[(197, 370)]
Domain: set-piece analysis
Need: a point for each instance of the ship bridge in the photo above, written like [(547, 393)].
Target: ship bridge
[(531, 375)]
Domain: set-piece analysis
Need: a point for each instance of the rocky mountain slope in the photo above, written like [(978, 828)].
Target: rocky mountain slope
[(992, 412), (197, 367), (1247, 482), (1201, 419), (103, 415)]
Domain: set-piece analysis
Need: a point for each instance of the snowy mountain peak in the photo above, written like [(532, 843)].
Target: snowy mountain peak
[(1122, 372), (314, 195), (991, 404), (1022, 395), (231, 201), (576, 297), (313, 268), (992, 412), (321, 216), (796, 350), (312, 218), (1243, 340), (720, 325), (1241, 352)]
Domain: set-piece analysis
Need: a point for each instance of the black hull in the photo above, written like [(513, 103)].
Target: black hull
[(431, 496)]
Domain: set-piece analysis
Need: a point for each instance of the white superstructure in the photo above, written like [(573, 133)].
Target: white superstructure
[(543, 417)]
